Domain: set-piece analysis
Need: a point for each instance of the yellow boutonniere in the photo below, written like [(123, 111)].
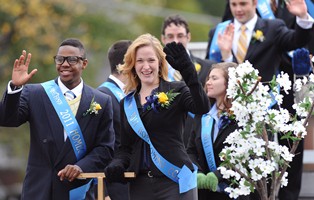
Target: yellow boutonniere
[(258, 35), (197, 67), (93, 108), (160, 100)]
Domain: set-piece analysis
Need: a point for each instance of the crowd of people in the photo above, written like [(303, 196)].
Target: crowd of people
[(148, 116)]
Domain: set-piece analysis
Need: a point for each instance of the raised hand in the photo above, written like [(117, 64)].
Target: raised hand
[(301, 62), (297, 8), (20, 74), (177, 56), (224, 41)]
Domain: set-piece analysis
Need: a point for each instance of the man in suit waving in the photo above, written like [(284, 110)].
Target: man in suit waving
[(70, 134), (265, 40)]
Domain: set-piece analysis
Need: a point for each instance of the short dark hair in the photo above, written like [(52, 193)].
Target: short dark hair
[(177, 20), (116, 54), (74, 43)]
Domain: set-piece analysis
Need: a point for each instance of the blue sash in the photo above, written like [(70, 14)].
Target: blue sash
[(183, 176), (214, 51), (170, 73), (264, 9), (72, 129), (118, 93), (67, 118), (79, 193), (310, 7), (207, 126)]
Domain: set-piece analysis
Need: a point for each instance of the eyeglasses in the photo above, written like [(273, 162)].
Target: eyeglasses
[(72, 60), (172, 37)]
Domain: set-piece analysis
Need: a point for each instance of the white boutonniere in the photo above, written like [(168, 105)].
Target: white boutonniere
[(93, 108), (258, 35)]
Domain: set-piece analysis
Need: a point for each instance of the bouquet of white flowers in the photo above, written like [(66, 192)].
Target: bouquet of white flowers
[(252, 160)]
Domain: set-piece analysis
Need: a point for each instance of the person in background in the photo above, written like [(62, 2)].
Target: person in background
[(219, 127), (274, 48), (176, 29), (152, 118), (114, 88), (69, 133)]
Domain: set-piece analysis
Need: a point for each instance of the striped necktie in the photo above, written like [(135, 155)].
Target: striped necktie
[(69, 95), (177, 76), (242, 45)]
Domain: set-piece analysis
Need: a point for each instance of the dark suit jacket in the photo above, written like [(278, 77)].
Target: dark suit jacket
[(48, 152), (116, 191), (202, 75), (205, 67), (266, 56), (116, 111), (197, 155), (164, 128)]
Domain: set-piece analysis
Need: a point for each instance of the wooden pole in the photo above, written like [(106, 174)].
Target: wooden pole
[(100, 178)]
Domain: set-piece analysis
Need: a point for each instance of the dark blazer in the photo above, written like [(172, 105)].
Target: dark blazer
[(197, 155), (164, 128), (116, 111), (117, 191), (266, 56), (202, 75), (205, 67), (48, 152)]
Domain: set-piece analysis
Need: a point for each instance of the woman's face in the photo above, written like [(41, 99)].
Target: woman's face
[(147, 65), (216, 84)]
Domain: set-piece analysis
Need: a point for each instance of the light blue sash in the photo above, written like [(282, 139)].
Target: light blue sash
[(67, 118), (214, 51), (72, 129), (264, 9), (79, 193), (183, 176), (207, 126), (118, 93), (170, 73), (310, 7)]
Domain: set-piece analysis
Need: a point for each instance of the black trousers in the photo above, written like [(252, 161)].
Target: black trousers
[(144, 187)]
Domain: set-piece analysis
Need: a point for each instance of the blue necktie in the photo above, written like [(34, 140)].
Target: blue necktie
[(69, 95)]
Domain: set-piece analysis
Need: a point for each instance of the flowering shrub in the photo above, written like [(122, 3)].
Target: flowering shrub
[(159, 100), (251, 160)]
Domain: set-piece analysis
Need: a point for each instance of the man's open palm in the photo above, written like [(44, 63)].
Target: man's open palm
[(20, 74)]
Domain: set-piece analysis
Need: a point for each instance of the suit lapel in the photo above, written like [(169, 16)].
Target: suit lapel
[(54, 121), (86, 98), (253, 45)]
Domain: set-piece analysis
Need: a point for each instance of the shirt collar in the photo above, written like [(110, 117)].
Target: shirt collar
[(214, 112), (250, 25), (77, 90), (117, 81)]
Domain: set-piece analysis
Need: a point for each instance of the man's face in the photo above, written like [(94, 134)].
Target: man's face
[(70, 74), (243, 10), (176, 34)]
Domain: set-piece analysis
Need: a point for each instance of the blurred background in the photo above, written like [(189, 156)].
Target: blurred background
[(39, 26)]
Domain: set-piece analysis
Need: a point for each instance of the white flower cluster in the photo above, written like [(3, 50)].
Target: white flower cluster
[(251, 155)]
